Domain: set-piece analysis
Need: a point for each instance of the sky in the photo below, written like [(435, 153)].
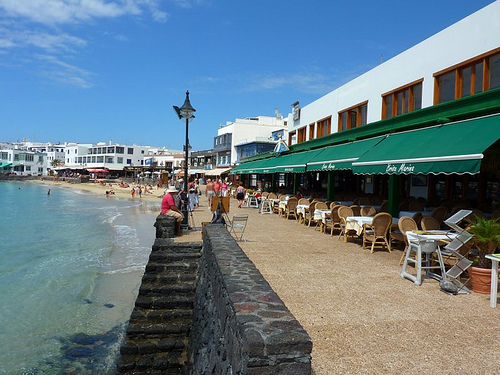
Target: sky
[(91, 71)]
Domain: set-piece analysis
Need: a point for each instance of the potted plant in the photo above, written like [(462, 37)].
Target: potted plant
[(486, 240)]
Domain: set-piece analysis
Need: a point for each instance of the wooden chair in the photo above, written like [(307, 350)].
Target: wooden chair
[(265, 194), (384, 206), (356, 210), (416, 206), (291, 208), (343, 213), (302, 201), (377, 231), (439, 213), (309, 218), (333, 204), (405, 224), (320, 206), (418, 218), (430, 223), (333, 222), (368, 211), (272, 196)]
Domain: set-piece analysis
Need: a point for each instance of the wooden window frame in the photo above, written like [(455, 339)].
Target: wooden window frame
[(290, 136), (393, 93), (311, 130), (356, 107), (301, 134), (320, 131), (458, 69)]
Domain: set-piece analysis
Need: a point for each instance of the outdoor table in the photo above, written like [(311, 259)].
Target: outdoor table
[(302, 209), (411, 213), (494, 278), (322, 214), (375, 206), (356, 223), (425, 242)]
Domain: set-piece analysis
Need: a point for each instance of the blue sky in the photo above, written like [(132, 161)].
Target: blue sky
[(92, 71)]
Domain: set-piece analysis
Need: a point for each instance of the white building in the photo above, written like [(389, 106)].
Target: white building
[(461, 60), (23, 162), (243, 131)]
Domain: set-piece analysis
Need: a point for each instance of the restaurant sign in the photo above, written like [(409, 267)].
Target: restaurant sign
[(402, 168), (328, 167)]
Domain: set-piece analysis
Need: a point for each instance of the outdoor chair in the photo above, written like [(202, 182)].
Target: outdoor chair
[(356, 210), (363, 201), (253, 202), (272, 196), (320, 206), (265, 194), (439, 213), (384, 206), (430, 223), (377, 231), (368, 211), (344, 212), (266, 207), (291, 208), (237, 226), (418, 218), (309, 217), (333, 222), (302, 201), (405, 224)]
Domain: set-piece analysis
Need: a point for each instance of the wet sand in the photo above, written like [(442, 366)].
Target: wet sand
[(362, 317)]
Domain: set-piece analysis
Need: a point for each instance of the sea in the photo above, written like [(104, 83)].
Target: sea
[(71, 264)]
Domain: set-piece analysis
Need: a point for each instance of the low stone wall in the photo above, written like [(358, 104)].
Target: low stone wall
[(240, 325)]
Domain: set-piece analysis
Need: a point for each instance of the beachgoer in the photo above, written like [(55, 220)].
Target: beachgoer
[(209, 192), (169, 208), (224, 188), (217, 187), (240, 194), (48, 192)]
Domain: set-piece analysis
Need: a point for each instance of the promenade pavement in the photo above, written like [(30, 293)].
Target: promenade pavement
[(362, 316)]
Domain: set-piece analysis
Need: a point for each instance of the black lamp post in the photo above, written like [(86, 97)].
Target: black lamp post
[(185, 112)]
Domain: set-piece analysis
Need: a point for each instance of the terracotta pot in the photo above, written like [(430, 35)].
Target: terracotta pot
[(480, 279)]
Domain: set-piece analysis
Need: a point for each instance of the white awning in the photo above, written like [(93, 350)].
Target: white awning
[(217, 171)]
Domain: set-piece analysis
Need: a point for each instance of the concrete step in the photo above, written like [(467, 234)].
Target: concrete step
[(158, 329), (181, 267), (182, 289), (163, 315), (168, 257), (164, 302), (169, 278)]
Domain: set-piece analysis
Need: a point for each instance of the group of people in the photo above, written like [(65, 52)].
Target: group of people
[(217, 188)]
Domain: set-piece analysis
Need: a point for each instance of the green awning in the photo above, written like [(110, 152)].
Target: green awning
[(294, 163), (342, 156), (451, 148), (5, 165)]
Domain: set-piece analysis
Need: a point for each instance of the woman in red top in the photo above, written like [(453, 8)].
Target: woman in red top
[(169, 208)]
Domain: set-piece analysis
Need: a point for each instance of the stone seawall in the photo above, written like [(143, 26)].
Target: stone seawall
[(240, 324), (206, 309)]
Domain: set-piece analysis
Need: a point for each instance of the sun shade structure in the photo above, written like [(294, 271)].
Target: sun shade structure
[(451, 148), (342, 156)]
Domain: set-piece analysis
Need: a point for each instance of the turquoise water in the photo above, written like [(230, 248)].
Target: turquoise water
[(70, 267)]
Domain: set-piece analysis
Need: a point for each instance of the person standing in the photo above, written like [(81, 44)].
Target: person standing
[(240, 194), (209, 192), (169, 208), (217, 187), (224, 188)]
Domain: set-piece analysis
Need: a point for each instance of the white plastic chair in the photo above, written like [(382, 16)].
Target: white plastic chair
[(253, 202), (265, 207), (237, 226)]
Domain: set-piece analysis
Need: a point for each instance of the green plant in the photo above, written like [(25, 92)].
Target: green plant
[(486, 239)]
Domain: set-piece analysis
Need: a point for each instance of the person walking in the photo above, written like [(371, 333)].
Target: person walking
[(217, 187), (240, 194), (224, 188), (209, 192)]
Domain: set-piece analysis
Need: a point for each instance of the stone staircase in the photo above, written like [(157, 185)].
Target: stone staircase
[(158, 333)]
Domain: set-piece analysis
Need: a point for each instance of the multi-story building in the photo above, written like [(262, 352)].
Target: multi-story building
[(23, 162), (244, 131)]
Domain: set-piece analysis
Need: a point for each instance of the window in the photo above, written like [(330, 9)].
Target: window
[(324, 127), (301, 135), (311, 131), (130, 151), (100, 159), (120, 150), (291, 138), (470, 77), (129, 161), (402, 100), (111, 150), (119, 160), (109, 159), (353, 117)]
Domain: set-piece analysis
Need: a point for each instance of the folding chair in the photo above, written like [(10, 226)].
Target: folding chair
[(237, 226)]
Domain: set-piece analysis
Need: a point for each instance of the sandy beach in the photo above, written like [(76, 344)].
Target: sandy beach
[(362, 316)]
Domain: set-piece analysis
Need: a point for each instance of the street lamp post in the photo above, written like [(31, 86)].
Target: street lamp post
[(185, 112)]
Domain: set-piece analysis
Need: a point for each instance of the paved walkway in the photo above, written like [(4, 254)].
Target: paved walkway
[(362, 317)]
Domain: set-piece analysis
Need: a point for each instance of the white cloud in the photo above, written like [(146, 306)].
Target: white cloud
[(61, 72), (318, 83), (10, 38)]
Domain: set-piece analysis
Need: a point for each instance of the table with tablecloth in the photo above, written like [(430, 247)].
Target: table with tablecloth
[(356, 223)]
